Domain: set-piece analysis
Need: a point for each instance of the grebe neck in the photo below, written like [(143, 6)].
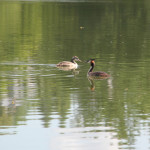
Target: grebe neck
[(73, 61), (91, 68)]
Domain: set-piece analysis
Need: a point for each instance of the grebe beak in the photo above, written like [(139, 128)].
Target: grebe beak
[(88, 61), (79, 60)]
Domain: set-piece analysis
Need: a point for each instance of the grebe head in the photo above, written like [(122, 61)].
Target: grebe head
[(75, 58), (92, 61)]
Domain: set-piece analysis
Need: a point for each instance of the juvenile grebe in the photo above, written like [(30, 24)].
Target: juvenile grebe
[(97, 74), (69, 64)]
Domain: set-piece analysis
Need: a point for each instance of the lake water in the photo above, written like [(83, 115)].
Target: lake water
[(43, 107)]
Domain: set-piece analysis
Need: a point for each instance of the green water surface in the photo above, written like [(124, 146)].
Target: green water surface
[(43, 107)]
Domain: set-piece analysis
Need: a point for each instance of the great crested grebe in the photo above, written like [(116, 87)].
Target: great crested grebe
[(69, 64), (97, 74)]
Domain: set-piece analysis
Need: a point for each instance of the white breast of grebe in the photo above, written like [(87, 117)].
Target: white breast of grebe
[(75, 65)]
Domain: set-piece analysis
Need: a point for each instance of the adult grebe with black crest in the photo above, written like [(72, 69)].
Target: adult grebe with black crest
[(97, 74)]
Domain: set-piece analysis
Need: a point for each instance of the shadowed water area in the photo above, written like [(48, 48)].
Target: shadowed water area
[(45, 107)]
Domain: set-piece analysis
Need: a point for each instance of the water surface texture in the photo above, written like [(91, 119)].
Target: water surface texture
[(46, 108)]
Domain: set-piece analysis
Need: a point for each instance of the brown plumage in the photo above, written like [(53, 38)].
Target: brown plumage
[(97, 74)]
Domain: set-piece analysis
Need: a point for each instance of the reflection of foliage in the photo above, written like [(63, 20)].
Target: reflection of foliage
[(53, 99)]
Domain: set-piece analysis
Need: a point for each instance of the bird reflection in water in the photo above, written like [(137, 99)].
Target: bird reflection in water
[(91, 80), (74, 71)]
